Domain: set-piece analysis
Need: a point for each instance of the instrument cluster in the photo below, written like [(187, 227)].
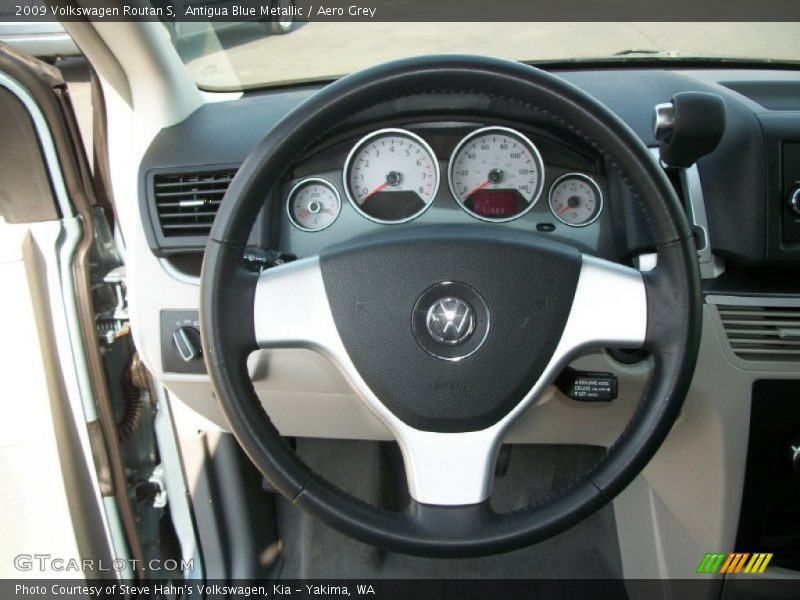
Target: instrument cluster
[(494, 173)]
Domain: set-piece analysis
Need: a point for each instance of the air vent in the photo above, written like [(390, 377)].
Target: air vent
[(186, 203), (763, 333)]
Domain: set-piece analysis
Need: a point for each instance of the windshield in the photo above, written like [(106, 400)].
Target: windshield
[(234, 56)]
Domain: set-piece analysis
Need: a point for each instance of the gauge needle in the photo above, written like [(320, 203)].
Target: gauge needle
[(373, 192), (480, 187), (565, 209)]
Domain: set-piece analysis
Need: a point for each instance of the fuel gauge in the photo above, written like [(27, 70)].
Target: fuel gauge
[(576, 199), (313, 204)]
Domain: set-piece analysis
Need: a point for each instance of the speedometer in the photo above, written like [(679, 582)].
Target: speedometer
[(496, 174), (391, 176)]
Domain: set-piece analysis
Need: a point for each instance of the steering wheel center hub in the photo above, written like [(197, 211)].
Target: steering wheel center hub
[(478, 337)]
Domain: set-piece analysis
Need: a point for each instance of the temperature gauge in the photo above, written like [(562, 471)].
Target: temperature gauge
[(313, 204), (576, 199)]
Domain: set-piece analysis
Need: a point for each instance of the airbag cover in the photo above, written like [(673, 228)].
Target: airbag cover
[(526, 282)]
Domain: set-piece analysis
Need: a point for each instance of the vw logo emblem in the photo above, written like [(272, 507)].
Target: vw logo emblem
[(450, 321)]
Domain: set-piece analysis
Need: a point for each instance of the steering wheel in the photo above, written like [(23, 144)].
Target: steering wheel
[(530, 304)]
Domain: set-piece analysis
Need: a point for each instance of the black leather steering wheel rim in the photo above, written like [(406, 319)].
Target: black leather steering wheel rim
[(673, 303)]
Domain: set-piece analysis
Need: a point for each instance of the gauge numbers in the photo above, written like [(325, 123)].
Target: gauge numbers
[(576, 199), (313, 204), (496, 174), (391, 176)]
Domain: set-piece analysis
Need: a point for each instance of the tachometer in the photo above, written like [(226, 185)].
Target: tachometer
[(496, 174), (391, 176), (576, 199), (313, 204)]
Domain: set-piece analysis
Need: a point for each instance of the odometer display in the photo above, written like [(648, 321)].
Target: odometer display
[(391, 176), (496, 174)]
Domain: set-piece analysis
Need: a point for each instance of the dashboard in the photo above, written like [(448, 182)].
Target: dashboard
[(330, 194), (471, 159)]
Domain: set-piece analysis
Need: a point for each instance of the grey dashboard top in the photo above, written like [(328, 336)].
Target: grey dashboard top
[(224, 132)]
